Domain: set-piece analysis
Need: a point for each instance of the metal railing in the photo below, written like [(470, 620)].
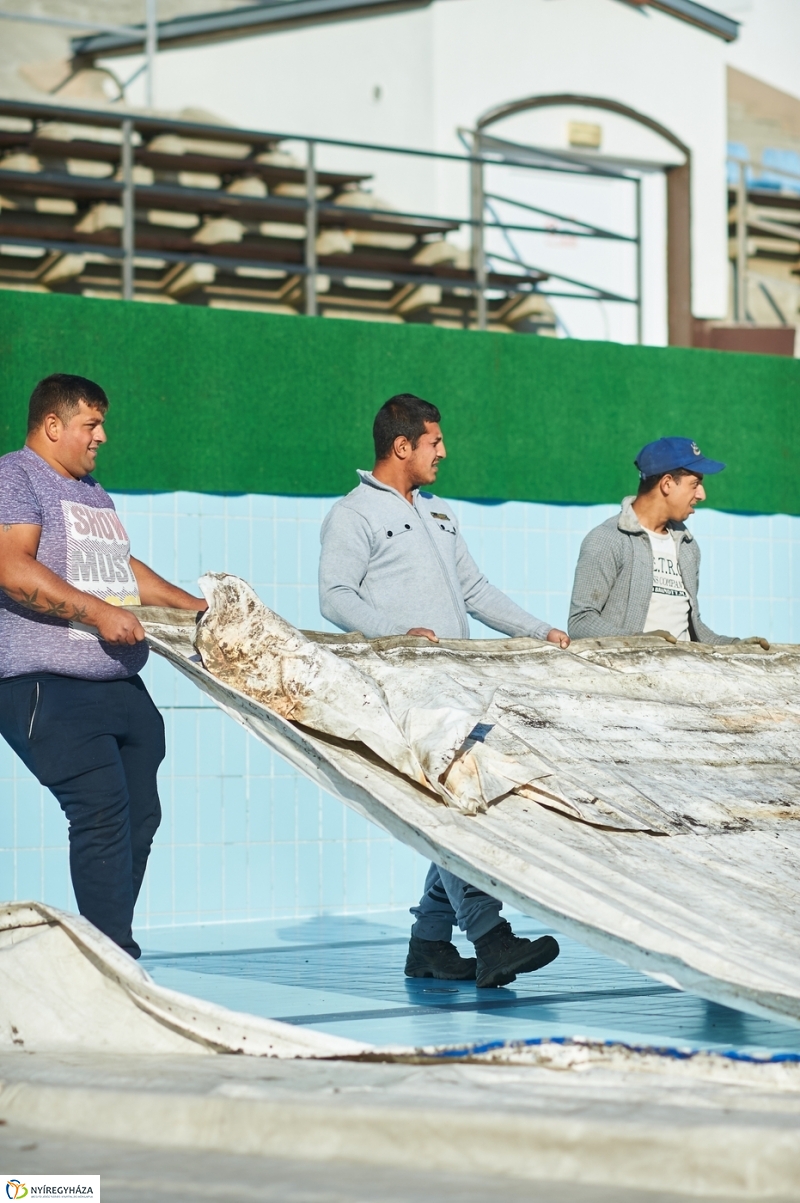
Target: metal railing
[(483, 217), (545, 160), (741, 268)]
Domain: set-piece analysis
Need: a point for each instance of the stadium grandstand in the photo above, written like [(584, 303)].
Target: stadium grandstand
[(220, 217)]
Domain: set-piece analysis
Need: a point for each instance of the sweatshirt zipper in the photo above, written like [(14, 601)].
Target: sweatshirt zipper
[(458, 602), (445, 573)]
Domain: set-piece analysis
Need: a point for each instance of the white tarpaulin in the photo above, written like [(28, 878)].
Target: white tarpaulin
[(66, 986), (639, 796)]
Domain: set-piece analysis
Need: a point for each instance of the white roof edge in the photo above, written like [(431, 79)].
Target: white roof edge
[(273, 15)]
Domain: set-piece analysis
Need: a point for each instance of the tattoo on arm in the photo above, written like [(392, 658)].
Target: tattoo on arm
[(55, 609), (6, 527), (47, 606), (31, 600)]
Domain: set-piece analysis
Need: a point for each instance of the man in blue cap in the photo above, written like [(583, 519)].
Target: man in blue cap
[(639, 571)]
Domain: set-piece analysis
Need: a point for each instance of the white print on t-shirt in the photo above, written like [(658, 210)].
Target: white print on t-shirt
[(669, 601), (98, 559)]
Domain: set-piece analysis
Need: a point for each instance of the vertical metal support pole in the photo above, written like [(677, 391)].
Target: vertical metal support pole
[(679, 255), (311, 231), (150, 50), (127, 211), (639, 298), (741, 244), (478, 243)]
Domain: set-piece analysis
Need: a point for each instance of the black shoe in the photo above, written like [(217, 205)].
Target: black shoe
[(502, 955), (438, 958)]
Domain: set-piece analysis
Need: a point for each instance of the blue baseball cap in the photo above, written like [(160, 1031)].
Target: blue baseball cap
[(665, 455)]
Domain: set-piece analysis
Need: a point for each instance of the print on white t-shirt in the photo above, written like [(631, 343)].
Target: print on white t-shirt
[(669, 601), (98, 559)]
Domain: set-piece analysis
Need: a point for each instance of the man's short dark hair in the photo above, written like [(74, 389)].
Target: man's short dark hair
[(61, 394), (403, 414), (648, 483)]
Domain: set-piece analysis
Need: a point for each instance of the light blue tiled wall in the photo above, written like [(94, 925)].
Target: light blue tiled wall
[(244, 836)]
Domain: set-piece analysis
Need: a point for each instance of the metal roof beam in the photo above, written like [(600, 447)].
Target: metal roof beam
[(274, 15), (697, 14), (269, 17)]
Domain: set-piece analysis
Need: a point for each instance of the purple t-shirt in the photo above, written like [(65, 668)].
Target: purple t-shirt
[(83, 542)]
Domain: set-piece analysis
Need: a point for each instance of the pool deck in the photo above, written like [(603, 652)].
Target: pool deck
[(648, 1134), (609, 1128), (344, 975), (130, 1174)]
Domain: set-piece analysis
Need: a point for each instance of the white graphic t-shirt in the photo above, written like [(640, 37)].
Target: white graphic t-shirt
[(98, 558), (83, 541), (669, 601)]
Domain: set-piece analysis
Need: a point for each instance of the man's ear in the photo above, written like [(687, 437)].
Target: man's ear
[(52, 427), (401, 447)]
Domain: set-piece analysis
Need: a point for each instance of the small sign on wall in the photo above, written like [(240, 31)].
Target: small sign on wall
[(584, 133)]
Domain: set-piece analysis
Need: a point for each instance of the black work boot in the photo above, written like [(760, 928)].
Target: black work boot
[(502, 955), (438, 958)]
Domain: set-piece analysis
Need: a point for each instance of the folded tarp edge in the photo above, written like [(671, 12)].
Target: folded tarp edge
[(85, 1004)]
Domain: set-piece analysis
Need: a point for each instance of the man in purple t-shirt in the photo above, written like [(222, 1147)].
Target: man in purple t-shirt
[(71, 703)]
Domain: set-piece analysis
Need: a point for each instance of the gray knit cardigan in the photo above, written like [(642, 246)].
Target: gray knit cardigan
[(614, 579)]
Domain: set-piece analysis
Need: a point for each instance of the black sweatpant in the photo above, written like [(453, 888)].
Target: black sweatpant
[(97, 746)]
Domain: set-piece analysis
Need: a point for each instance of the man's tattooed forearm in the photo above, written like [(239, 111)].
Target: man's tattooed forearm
[(31, 600), (55, 609), (48, 606)]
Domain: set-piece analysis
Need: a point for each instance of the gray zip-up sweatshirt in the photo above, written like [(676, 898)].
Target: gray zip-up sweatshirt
[(614, 579), (387, 566)]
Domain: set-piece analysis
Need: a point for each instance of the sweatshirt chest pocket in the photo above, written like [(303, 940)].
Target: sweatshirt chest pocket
[(396, 530), (443, 524)]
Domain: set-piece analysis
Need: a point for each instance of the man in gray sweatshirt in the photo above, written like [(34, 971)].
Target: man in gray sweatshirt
[(394, 562), (638, 572)]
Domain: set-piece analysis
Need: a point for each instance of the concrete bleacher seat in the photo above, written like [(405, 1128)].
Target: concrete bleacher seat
[(220, 220)]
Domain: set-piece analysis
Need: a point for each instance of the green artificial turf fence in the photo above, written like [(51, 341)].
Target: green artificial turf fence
[(222, 402)]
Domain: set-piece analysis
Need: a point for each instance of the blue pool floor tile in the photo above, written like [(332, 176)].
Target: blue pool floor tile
[(343, 974)]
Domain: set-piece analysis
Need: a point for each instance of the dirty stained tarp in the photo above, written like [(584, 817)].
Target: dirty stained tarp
[(637, 795), (68, 987)]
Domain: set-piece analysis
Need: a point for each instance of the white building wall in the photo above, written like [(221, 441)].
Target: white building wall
[(768, 45), (322, 80), (413, 78), (492, 51), (318, 79)]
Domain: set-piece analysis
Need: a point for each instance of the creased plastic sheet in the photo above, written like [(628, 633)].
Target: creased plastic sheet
[(66, 986), (639, 796)]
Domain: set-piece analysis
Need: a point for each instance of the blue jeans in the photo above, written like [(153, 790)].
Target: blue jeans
[(448, 900), (97, 746)]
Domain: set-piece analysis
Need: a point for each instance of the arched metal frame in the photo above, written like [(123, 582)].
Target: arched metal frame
[(679, 208)]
